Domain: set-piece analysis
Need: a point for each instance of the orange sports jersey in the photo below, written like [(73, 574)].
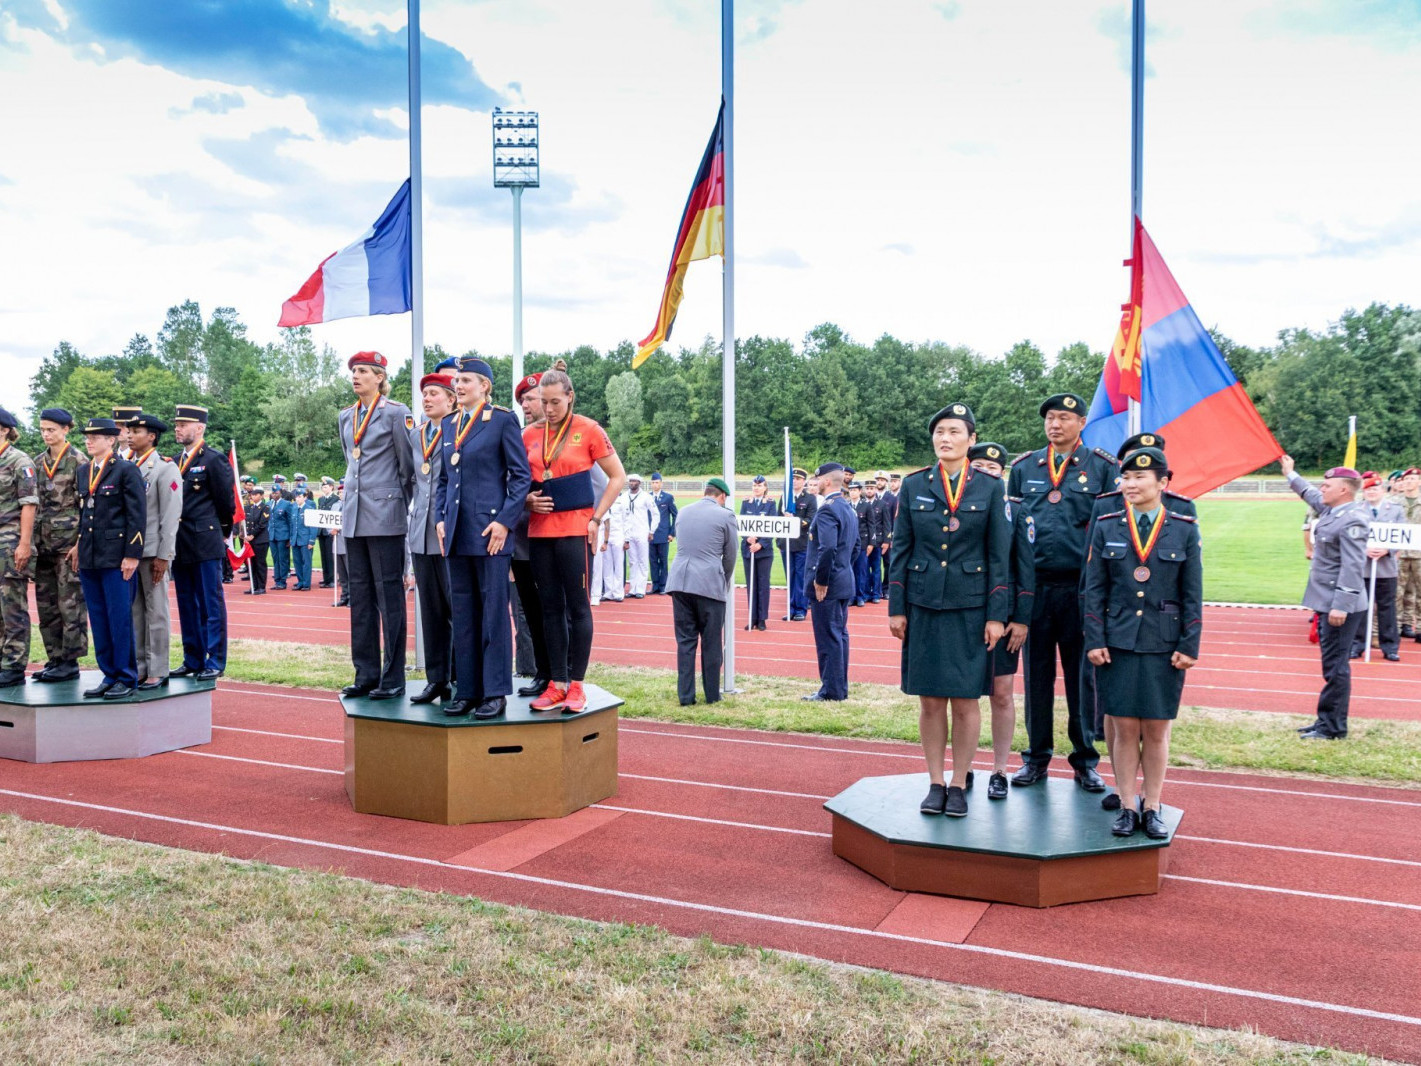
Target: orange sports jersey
[(585, 443)]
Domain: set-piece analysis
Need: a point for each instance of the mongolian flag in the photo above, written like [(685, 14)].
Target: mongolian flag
[(1164, 358), (700, 236)]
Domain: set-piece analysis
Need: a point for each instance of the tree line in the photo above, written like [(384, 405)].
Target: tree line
[(866, 404)]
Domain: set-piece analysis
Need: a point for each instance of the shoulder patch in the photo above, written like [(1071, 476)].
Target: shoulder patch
[(1183, 517), (1019, 458), (1112, 514), (500, 407), (409, 421), (1107, 495), (1106, 456)]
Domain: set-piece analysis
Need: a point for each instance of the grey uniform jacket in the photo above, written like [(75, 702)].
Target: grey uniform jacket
[(164, 488), (424, 538), (706, 546), (1337, 579), (380, 484), (1387, 511)]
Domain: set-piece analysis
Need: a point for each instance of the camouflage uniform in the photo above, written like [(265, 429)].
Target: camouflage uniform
[(59, 598), (17, 489), (1408, 590)]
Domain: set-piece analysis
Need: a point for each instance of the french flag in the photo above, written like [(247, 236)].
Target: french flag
[(370, 277), (1188, 394)]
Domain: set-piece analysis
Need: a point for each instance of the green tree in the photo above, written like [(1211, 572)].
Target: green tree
[(624, 405), (180, 341), (157, 390), (45, 386), (89, 393)]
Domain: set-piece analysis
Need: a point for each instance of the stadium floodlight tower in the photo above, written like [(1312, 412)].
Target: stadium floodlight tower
[(515, 166)]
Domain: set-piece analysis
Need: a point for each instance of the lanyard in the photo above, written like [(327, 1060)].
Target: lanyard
[(953, 499), (429, 444), (362, 424), (50, 469), (1057, 476), (186, 462), (1143, 550), (551, 452), (464, 426), (96, 474)]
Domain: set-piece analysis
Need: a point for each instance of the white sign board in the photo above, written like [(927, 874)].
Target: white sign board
[(1394, 536), (321, 519), (775, 527)]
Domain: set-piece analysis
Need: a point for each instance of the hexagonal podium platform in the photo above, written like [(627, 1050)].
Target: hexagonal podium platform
[(53, 722), (1041, 846), (408, 760)]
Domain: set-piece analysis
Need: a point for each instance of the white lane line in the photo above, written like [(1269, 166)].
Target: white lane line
[(712, 821), (732, 788), (256, 762), (1298, 851), (1294, 892), (771, 919), (240, 686), (269, 733)]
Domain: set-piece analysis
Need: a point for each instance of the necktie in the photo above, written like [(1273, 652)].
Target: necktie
[(1374, 512), (1142, 523)]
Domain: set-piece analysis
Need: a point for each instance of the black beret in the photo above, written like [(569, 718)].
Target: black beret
[(993, 452), (1065, 401), (954, 410), (1140, 440), (827, 468), (104, 426), (58, 415), (8, 420), (149, 422), (1147, 459)]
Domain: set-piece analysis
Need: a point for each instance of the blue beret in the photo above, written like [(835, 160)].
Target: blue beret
[(8, 420), (759, 479), (656, 475), (57, 415)]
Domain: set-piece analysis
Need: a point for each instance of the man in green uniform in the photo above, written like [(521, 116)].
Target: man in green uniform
[(58, 595), (18, 500), (1408, 586)]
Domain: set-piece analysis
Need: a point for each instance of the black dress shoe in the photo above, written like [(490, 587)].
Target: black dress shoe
[(328, 584), (432, 691), (1317, 734), (534, 687), (1154, 825), (182, 671), (1089, 780), (1392, 656), (815, 697), (151, 683), (690, 703), (207, 675), (491, 708), (1126, 823), (98, 691), (956, 805), (1029, 774), (935, 801), (62, 672), (455, 708), (761, 626), (118, 692), (353, 690), (997, 787), (387, 693), (1111, 802), (796, 618), (344, 601), (11, 677)]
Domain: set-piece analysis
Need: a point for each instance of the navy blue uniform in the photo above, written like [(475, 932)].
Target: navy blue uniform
[(112, 519), (833, 542), (208, 503), (1023, 586), (489, 483), (660, 547), (803, 507), (757, 591)]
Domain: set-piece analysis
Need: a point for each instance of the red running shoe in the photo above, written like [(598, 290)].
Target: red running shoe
[(576, 700), (552, 699)]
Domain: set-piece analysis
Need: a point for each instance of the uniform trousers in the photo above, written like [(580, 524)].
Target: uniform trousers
[(202, 613), (436, 610), (660, 556), (15, 597), (527, 593), (280, 561), (1335, 643), (798, 601), (861, 575), (757, 591), (301, 564), (1056, 623), (1383, 620), (560, 568), (328, 559), (608, 582), (699, 622), (875, 573), (59, 600), (830, 618), (637, 566), (1408, 591), (483, 654), (152, 621), (109, 599), (377, 609), (343, 576), (256, 566)]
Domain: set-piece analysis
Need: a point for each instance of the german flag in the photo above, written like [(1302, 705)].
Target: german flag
[(700, 236)]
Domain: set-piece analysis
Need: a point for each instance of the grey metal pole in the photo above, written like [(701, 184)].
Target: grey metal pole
[(517, 288), (727, 83), (1137, 146), (416, 262)]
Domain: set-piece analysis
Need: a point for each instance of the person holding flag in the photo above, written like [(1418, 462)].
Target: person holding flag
[(163, 495), (208, 503)]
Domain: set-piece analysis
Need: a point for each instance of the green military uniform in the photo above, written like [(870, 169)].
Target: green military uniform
[(1408, 585), (17, 491), (63, 624)]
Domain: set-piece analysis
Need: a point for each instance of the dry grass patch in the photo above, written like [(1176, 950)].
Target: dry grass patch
[(113, 951)]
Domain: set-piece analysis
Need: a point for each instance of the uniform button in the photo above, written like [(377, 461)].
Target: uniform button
[(1139, 612), (1140, 594), (944, 548), (944, 529), (944, 562)]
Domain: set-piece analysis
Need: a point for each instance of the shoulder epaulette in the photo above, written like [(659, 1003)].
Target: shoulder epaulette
[(1107, 456), (355, 404), (1107, 495), (1019, 458), (1014, 499), (1112, 514), (1184, 517), (500, 407), (1178, 496)]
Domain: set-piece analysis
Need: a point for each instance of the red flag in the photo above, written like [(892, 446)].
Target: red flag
[(239, 513)]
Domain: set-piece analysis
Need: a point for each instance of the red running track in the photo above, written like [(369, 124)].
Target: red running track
[(1293, 906), (1253, 658)]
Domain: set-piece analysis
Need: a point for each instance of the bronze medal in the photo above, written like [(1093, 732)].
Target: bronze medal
[(454, 459), (1054, 496), (424, 469), (952, 524), (355, 452), (1142, 573)]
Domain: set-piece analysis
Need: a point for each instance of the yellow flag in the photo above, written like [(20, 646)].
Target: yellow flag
[(1350, 459)]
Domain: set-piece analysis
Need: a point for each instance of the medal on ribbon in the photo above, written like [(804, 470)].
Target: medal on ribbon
[(96, 475), (953, 498), (185, 462), (552, 450), (429, 444), (1142, 551), (1058, 474), (50, 469), (462, 428), (359, 426)]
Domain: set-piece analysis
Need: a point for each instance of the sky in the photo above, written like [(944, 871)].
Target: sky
[(953, 170)]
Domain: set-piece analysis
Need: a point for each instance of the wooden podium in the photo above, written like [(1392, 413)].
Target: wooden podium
[(408, 760), (53, 722), (1041, 846)]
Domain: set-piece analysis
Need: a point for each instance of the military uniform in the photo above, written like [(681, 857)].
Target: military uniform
[(431, 574), (18, 491), (661, 537), (206, 523), (59, 598), (833, 542), (1408, 584), (1023, 585), (163, 501), (324, 502), (1336, 582), (259, 537), (281, 530), (757, 589)]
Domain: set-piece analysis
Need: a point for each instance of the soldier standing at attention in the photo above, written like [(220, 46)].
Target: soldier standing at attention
[(163, 503), (829, 582), (379, 486), (121, 415), (431, 575), (18, 500), (1057, 486), (759, 554), (1408, 585), (111, 521), (877, 540), (282, 529), (663, 536), (324, 502), (1336, 587), (801, 504), (58, 597), (258, 521), (206, 523)]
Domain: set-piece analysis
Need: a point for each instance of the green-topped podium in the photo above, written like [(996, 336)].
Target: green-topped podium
[(408, 760), (53, 722), (1041, 846)]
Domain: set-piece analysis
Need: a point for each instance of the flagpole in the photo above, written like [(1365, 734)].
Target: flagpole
[(1137, 153), (727, 344), (416, 260), (789, 541)]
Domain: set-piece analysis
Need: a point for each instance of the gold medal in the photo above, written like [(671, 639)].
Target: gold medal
[(355, 452), (454, 459), (424, 469)]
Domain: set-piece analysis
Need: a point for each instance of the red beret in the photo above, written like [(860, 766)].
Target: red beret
[(1412, 470), (367, 359), (444, 381), (531, 381), (1370, 478), (1343, 471)]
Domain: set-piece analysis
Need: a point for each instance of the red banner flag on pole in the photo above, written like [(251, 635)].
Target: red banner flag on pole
[(238, 550)]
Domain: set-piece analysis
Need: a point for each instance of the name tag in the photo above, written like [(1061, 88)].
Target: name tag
[(925, 499)]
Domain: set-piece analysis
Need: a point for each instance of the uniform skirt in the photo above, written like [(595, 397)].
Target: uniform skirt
[(943, 653), (1139, 685)]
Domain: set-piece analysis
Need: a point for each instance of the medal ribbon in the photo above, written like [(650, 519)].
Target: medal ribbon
[(551, 452), (430, 443), (1143, 550), (96, 474), (953, 499), (464, 426), (185, 462), (142, 458), (50, 469), (362, 424), (1057, 476)]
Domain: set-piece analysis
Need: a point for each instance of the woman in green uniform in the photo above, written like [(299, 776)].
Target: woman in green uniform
[(1144, 613), (948, 598)]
